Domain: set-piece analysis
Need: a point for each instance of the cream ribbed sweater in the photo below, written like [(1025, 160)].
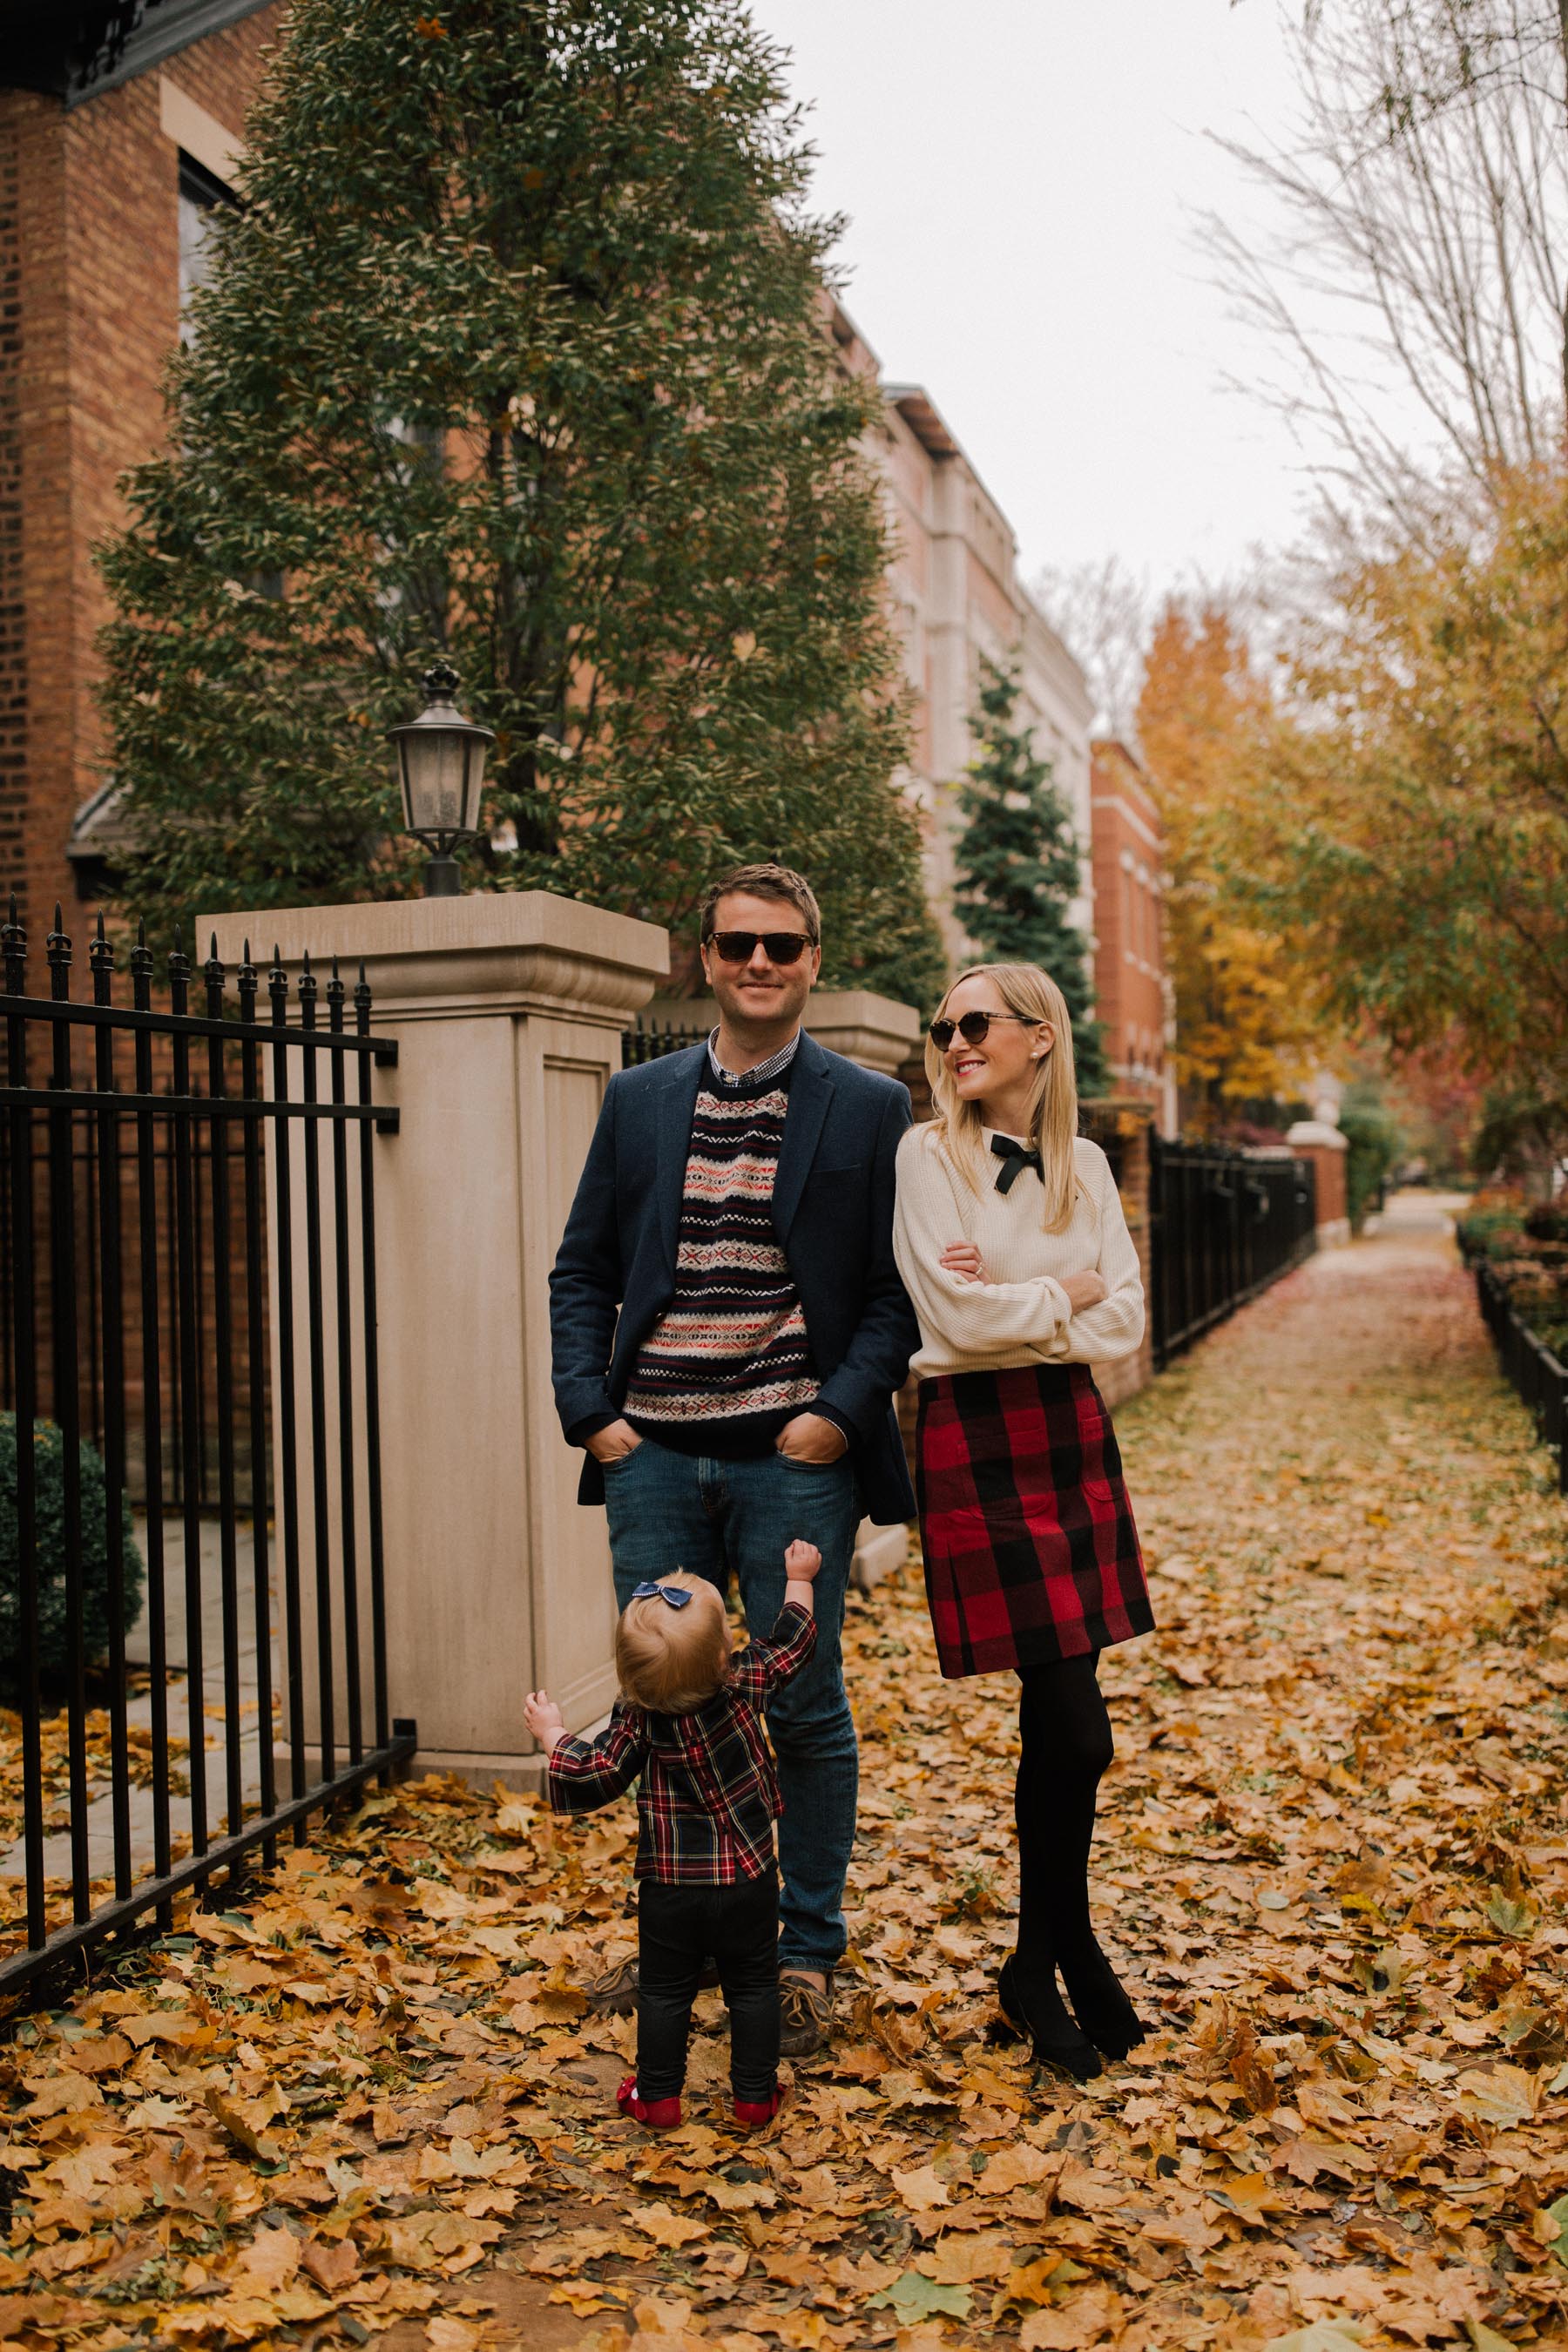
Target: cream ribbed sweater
[(1021, 1316)]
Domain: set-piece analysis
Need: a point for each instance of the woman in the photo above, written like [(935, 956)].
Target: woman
[(1011, 1241)]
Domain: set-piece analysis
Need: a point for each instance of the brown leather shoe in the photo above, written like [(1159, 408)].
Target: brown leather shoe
[(614, 1994), (805, 2016)]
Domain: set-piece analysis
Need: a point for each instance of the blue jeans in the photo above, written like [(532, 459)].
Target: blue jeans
[(717, 1518)]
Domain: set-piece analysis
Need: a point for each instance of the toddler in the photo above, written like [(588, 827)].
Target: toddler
[(688, 1729)]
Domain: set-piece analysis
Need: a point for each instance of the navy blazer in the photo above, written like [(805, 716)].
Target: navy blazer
[(832, 1214)]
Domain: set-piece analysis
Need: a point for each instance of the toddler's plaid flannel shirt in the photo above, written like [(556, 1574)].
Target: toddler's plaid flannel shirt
[(709, 1794)]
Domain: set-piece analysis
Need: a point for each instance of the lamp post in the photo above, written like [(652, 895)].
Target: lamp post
[(441, 769)]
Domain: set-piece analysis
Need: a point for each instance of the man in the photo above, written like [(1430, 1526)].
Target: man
[(737, 1210)]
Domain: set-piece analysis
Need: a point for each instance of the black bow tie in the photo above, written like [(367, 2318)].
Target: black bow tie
[(1018, 1157)]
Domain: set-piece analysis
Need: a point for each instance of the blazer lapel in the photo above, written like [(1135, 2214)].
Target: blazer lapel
[(676, 1102), (810, 1092)]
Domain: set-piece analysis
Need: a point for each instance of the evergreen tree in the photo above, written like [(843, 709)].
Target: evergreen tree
[(1020, 866), (514, 351)]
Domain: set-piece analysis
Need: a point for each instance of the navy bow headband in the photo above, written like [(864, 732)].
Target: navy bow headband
[(678, 1595)]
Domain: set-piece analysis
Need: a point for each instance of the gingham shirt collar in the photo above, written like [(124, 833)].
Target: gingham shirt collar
[(773, 1067)]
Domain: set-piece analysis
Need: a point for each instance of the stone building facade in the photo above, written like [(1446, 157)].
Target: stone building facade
[(1132, 991), (115, 144), (955, 595)]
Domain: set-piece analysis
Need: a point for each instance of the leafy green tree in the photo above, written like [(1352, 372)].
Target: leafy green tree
[(1020, 865), (1374, 1143), (514, 351)]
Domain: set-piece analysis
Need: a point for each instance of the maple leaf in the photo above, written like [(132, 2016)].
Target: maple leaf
[(921, 2189), (1501, 2096), (1083, 2320), (668, 2229), (332, 2267), (915, 2296), (1322, 2335), (67, 2092), (244, 2119), (270, 2260)]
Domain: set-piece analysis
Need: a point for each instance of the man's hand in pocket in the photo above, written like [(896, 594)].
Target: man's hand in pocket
[(809, 1438), (614, 1442)]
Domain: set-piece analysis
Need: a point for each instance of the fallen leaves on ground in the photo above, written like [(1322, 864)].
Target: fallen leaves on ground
[(367, 2100)]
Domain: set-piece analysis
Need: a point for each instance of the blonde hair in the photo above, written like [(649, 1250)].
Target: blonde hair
[(1024, 989), (673, 1660)]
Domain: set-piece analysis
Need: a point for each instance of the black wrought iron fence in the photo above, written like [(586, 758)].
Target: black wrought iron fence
[(650, 1041), (1537, 1376), (145, 1150), (199, 1471), (1223, 1224)]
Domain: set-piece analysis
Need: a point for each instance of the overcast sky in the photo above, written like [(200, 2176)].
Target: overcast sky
[(1019, 177)]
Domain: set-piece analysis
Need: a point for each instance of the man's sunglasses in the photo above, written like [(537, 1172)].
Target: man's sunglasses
[(972, 1027), (739, 946)]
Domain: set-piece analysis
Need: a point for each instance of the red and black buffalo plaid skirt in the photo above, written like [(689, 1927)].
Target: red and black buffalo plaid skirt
[(1030, 1549)]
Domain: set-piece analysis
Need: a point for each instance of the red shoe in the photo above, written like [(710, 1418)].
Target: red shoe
[(659, 2115), (756, 2112)]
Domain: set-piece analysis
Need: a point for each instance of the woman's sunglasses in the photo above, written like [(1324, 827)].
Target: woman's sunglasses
[(972, 1027), (779, 946)]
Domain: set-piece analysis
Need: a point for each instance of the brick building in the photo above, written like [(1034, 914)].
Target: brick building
[(120, 129), (1132, 990)]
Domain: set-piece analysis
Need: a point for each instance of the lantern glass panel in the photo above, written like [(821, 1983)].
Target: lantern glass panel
[(435, 779), (479, 745)]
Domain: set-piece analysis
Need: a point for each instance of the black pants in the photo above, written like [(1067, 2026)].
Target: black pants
[(679, 1929)]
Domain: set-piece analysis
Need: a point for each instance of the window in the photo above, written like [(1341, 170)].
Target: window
[(202, 196)]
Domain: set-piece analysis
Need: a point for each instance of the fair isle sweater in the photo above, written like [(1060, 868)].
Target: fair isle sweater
[(728, 1362)]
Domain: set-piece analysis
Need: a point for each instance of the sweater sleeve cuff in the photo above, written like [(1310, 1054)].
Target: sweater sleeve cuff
[(1058, 1299), (840, 1421)]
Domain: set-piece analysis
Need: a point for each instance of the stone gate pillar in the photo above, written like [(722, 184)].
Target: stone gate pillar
[(1320, 1140), (508, 1009)]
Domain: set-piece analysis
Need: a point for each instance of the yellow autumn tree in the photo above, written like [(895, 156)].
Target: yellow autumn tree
[(1429, 846), (1248, 1024)]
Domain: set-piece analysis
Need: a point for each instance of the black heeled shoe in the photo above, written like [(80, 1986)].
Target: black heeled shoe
[(1099, 2004), (1055, 2042)]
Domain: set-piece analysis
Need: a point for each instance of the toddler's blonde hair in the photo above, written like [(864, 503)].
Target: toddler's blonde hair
[(673, 1660)]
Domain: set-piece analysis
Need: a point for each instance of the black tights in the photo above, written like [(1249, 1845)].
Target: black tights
[(1066, 1746)]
